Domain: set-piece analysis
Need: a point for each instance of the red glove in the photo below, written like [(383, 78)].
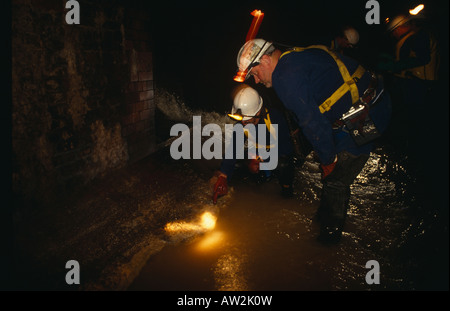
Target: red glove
[(220, 188), (327, 169), (253, 166)]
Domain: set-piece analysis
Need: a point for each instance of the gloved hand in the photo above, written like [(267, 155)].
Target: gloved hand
[(220, 188), (253, 166), (327, 169)]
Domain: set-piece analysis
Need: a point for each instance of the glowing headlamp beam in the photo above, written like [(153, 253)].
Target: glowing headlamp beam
[(236, 116), (240, 76), (254, 27), (206, 222), (251, 34), (416, 10)]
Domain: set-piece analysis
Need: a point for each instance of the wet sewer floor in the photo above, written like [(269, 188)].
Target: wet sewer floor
[(264, 246), (262, 241)]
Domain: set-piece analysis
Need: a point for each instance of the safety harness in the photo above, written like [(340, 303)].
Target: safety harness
[(271, 129), (349, 80), (357, 120)]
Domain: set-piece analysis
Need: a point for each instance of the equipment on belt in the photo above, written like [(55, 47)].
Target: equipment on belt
[(357, 119)]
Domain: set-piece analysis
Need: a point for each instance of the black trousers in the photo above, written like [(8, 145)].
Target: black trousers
[(336, 189)]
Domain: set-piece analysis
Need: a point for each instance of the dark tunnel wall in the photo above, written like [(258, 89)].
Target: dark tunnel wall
[(82, 94)]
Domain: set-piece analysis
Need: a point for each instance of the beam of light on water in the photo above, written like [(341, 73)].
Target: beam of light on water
[(206, 223), (210, 241)]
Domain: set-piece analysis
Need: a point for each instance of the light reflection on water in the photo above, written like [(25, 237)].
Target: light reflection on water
[(264, 242), (229, 273)]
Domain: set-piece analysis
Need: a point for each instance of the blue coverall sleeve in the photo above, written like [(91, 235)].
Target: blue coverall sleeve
[(292, 88)]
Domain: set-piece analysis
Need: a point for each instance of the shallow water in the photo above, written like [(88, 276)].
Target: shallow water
[(262, 241)]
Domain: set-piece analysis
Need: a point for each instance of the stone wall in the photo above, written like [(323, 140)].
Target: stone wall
[(82, 94)]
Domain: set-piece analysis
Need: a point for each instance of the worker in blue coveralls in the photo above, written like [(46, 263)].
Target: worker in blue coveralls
[(340, 107), (249, 108)]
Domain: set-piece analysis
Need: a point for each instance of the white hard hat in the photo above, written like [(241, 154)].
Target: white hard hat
[(352, 35), (397, 21), (246, 104), (250, 54)]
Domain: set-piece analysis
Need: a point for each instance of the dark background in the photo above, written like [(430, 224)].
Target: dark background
[(196, 43), (192, 47)]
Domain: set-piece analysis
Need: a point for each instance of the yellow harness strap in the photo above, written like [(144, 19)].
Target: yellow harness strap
[(349, 81), (269, 127), (269, 123)]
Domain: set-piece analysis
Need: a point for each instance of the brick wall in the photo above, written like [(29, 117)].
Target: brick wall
[(82, 94), (140, 104)]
